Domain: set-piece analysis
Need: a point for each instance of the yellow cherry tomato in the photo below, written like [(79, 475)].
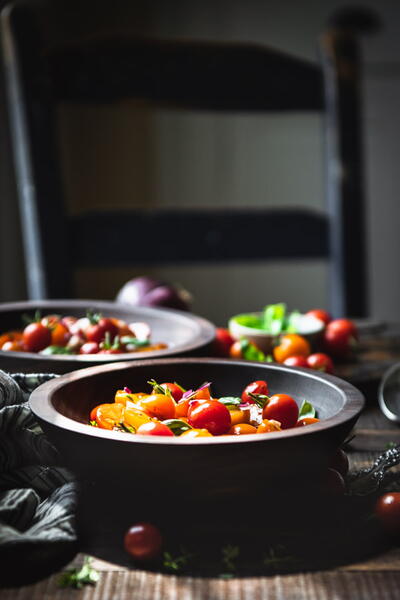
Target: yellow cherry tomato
[(239, 416), (242, 429), (123, 397), (194, 433), (269, 425), (135, 418)]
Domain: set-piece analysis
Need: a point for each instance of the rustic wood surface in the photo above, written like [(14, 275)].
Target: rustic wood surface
[(377, 578)]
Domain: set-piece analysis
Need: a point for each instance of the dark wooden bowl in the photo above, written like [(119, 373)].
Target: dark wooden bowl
[(184, 333), (147, 467)]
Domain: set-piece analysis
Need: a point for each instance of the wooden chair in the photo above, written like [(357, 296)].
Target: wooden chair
[(194, 75)]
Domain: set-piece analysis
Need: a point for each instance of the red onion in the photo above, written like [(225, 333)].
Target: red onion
[(146, 291)]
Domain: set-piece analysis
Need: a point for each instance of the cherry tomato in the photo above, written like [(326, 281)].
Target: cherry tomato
[(344, 326), (239, 416), (222, 343), (236, 350), (306, 421), (175, 390), (255, 387), (158, 405), (339, 462), (296, 361), (107, 416), (269, 425), (320, 362), (183, 405), (338, 343), (60, 334), (282, 408), (13, 346), (135, 417), (89, 348), (210, 415), (143, 541), (291, 344), (319, 313), (195, 433), (154, 428), (36, 337), (96, 332), (387, 510), (242, 429)]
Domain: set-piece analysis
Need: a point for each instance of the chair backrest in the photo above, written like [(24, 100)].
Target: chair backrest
[(204, 76)]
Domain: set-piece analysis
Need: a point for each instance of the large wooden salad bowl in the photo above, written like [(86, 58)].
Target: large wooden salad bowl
[(147, 467)]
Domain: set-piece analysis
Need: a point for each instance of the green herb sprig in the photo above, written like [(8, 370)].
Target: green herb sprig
[(77, 578)]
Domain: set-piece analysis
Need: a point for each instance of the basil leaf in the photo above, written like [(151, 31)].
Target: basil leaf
[(260, 399), (307, 410), (249, 320), (251, 352), (230, 401), (56, 350), (177, 426), (127, 339), (274, 318)]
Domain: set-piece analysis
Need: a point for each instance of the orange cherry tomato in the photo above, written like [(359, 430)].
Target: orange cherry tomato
[(10, 336), (59, 334), (107, 416), (13, 346), (269, 425), (282, 408), (242, 429), (306, 421), (195, 433), (181, 409), (158, 405), (239, 416), (291, 344)]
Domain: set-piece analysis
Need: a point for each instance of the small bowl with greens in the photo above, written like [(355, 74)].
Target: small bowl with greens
[(264, 328)]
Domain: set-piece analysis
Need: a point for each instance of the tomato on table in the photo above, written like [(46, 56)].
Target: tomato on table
[(291, 344), (222, 342), (143, 541), (296, 361), (320, 362), (282, 408), (387, 511), (321, 314)]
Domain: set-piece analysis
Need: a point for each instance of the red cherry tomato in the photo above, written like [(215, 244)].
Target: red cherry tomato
[(387, 510), (320, 362), (223, 341), (343, 326), (36, 337), (89, 348), (143, 541), (97, 331), (296, 361), (255, 387), (154, 428), (338, 343), (320, 314), (210, 415), (175, 390), (282, 408)]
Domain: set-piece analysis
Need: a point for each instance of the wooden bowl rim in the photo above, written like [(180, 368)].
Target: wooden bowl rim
[(205, 336), (41, 404)]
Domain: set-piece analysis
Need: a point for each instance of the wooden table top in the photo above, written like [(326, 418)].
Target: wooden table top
[(373, 579), (377, 578)]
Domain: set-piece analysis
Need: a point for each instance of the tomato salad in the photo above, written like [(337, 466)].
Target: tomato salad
[(170, 410), (92, 334)]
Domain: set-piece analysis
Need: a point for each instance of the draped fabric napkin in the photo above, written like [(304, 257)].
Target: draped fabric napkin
[(37, 497)]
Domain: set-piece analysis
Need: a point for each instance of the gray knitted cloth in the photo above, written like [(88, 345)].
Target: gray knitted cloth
[(37, 497)]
